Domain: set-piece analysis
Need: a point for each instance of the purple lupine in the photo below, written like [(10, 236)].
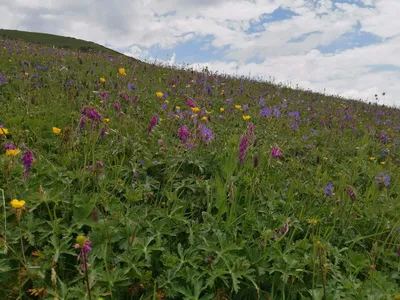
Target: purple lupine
[(250, 131), (184, 133), (382, 180), (190, 103), (276, 152), (383, 138), (91, 113), (104, 95), (261, 102), (84, 250), (243, 148), (153, 122), (328, 189), (265, 112), (27, 160), (206, 133)]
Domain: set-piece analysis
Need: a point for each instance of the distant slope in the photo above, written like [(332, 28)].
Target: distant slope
[(54, 40)]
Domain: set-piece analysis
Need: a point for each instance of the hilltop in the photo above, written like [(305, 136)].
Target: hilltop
[(126, 180), (54, 40)]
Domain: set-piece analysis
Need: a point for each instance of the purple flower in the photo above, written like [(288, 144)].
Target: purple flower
[(314, 132), (229, 101), (164, 106), (104, 95), (27, 160), (3, 78), (243, 148), (206, 133), (183, 132), (153, 122), (250, 131), (85, 248), (116, 106), (131, 87), (382, 180), (328, 190), (245, 107), (265, 112), (277, 113), (10, 147), (190, 103), (294, 114), (305, 137), (261, 102), (383, 138), (276, 152), (91, 113)]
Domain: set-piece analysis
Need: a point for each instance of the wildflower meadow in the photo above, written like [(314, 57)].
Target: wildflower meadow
[(121, 179)]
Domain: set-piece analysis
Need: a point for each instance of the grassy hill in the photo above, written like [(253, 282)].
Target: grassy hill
[(54, 40), (125, 180)]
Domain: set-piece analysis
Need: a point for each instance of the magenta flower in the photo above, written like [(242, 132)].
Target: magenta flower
[(153, 122), (10, 147), (184, 133), (27, 160), (243, 148), (85, 247), (276, 152), (190, 103)]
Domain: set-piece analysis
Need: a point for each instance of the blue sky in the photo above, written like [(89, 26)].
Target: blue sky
[(348, 47)]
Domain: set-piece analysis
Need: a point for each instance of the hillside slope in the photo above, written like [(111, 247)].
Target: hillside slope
[(126, 180)]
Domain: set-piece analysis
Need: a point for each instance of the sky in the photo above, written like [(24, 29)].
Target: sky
[(344, 47)]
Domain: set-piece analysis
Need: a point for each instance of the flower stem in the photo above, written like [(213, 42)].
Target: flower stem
[(22, 242), (86, 274)]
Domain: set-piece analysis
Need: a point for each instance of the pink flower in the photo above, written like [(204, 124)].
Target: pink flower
[(276, 152)]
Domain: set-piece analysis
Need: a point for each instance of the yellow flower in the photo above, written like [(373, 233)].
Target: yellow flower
[(313, 222), (161, 119), (246, 118), (238, 106), (166, 101), (159, 95), (17, 204), (102, 80), (177, 117), (208, 112), (372, 158), (107, 120), (26, 74), (80, 240), (3, 131), (10, 60), (177, 107), (382, 162), (204, 118), (221, 109), (195, 109), (122, 71), (222, 92), (325, 158), (173, 85), (12, 152), (56, 130)]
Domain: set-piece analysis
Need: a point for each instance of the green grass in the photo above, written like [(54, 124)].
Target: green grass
[(170, 210), (54, 40)]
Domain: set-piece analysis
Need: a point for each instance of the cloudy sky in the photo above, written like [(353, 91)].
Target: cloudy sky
[(347, 47)]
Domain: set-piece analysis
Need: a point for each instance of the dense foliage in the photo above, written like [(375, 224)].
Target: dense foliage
[(125, 180)]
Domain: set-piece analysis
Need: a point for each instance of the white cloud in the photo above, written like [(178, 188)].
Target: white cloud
[(136, 26)]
